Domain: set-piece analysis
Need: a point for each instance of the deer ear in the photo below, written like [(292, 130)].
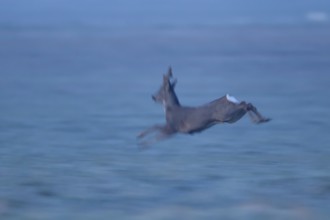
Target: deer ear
[(174, 83), (165, 79), (168, 75), (169, 72)]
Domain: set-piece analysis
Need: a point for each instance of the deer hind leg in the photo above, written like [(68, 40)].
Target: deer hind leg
[(255, 115)]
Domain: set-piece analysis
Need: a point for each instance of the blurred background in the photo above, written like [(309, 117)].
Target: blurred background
[(76, 81)]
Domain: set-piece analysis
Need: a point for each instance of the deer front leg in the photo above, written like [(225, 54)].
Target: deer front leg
[(164, 132), (151, 129), (147, 143)]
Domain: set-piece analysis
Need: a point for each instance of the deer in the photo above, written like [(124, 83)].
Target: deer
[(191, 120)]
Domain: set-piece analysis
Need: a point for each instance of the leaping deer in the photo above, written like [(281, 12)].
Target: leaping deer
[(189, 120)]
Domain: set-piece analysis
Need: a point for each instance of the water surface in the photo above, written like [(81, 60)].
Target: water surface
[(73, 100)]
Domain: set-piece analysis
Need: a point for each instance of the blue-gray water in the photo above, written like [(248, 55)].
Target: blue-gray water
[(73, 99)]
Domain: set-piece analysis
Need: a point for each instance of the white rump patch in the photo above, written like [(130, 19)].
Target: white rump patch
[(232, 99)]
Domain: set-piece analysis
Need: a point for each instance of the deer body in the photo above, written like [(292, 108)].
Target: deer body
[(195, 119)]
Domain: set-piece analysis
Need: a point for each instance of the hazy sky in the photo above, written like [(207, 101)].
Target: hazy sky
[(160, 12)]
